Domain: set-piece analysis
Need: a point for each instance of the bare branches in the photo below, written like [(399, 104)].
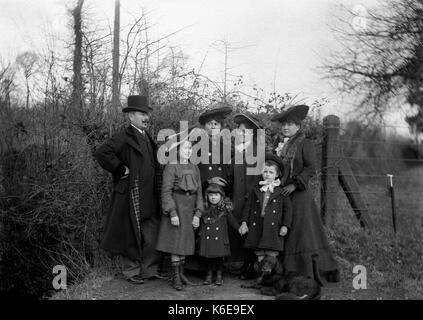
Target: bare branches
[(378, 62)]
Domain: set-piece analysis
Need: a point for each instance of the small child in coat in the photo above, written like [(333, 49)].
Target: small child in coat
[(268, 213), (213, 239)]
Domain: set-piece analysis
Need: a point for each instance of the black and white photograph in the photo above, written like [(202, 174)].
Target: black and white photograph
[(211, 155)]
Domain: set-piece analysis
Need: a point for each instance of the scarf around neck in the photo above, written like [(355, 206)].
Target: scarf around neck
[(269, 186), (288, 151)]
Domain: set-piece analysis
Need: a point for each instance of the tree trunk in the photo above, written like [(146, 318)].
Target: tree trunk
[(77, 100), (115, 83)]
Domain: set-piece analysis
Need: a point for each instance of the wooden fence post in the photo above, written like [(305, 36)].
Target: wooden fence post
[(330, 155), (336, 171)]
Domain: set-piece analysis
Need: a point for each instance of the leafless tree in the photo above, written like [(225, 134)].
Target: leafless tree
[(116, 38), (381, 59), (77, 93), (27, 61)]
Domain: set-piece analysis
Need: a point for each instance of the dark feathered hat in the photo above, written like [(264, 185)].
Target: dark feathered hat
[(218, 114), (249, 119), (295, 113)]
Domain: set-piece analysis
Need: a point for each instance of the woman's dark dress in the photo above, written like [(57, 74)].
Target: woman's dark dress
[(307, 249)]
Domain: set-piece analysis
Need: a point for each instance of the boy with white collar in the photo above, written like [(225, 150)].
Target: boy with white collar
[(267, 214)]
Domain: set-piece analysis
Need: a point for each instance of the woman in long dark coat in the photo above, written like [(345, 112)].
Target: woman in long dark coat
[(212, 122), (307, 250), (242, 184)]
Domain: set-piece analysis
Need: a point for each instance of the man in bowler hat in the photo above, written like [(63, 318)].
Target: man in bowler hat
[(132, 225)]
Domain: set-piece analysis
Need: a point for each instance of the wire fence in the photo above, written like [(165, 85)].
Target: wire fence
[(387, 168)]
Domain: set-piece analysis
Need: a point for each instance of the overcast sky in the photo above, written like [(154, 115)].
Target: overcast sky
[(281, 42)]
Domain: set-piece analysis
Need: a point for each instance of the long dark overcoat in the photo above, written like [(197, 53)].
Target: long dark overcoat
[(264, 231), (241, 186), (122, 233), (221, 169), (306, 244)]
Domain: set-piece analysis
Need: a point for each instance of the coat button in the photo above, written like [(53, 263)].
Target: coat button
[(188, 193), (220, 169), (207, 237), (217, 228), (208, 228), (216, 238), (273, 223), (209, 154), (274, 211), (210, 168), (254, 223), (258, 201), (274, 200), (255, 212)]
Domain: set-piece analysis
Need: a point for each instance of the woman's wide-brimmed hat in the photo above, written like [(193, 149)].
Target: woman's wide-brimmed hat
[(218, 114), (296, 113), (276, 159), (215, 185), (249, 119), (137, 103)]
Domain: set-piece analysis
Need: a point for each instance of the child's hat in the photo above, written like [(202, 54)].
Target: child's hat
[(216, 185), (277, 160)]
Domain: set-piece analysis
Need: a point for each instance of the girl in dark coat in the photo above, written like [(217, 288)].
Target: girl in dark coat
[(182, 205), (267, 214), (307, 249), (213, 240)]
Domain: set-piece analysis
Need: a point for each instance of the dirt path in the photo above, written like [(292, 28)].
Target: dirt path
[(119, 289)]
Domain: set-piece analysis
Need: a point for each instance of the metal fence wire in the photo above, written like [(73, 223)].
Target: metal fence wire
[(387, 177)]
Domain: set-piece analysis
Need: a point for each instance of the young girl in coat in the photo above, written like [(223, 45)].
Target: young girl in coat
[(213, 239), (267, 214), (182, 205)]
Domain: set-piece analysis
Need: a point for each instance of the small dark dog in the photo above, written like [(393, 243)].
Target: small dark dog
[(273, 282)]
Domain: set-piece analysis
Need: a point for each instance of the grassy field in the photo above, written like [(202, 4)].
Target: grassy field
[(393, 261)]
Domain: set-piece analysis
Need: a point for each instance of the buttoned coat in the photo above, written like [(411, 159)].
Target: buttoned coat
[(221, 169), (122, 232), (264, 231), (213, 240)]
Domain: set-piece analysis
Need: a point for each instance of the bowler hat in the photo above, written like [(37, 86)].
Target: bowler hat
[(248, 118), (276, 159), (296, 113), (217, 113), (137, 103)]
